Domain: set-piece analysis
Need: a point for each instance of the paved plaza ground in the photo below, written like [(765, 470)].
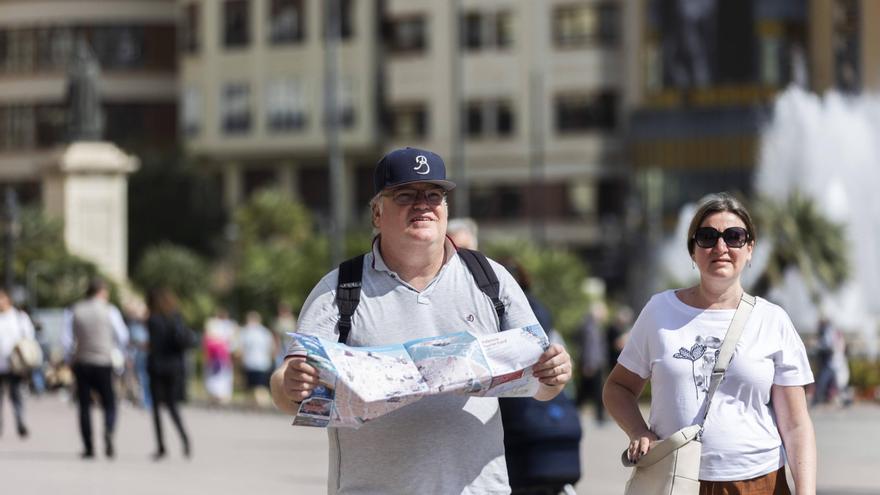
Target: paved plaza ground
[(252, 453)]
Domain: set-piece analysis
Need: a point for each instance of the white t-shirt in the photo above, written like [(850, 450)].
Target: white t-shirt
[(675, 345), (257, 345), (14, 326)]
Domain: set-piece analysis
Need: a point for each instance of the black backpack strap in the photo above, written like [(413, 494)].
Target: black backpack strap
[(348, 293), (484, 275)]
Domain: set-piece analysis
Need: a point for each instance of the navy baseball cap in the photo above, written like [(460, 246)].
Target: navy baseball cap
[(410, 165)]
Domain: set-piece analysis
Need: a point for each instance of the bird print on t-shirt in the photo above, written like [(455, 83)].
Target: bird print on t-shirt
[(702, 372)]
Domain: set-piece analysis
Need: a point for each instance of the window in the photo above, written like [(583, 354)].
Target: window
[(504, 30), (235, 108), (191, 111), (4, 46), (51, 125), (285, 105), (287, 21), (119, 47), (487, 30), (345, 103), (189, 29), (582, 112), (407, 35), (584, 25), (408, 121), (236, 23), (345, 17), (490, 118), (473, 124), (471, 31), (16, 127)]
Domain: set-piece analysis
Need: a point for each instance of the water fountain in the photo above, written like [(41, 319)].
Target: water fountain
[(828, 149)]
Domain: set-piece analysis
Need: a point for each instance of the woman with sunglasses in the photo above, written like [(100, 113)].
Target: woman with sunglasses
[(758, 416)]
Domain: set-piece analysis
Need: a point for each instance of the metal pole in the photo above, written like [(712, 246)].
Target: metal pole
[(536, 159), (462, 190), (331, 115), (10, 225)]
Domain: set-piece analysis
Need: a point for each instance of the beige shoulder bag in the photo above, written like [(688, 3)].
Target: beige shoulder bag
[(672, 466)]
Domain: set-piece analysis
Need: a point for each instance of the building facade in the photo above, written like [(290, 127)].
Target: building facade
[(521, 98), (704, 77), (134, 42)]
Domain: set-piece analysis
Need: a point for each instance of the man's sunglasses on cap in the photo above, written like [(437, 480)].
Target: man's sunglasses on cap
[(735, 237), (406, 197)]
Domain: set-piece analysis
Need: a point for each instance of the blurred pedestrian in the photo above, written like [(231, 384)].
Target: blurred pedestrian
[(541, 439), (256, 349), (757, 419), (220, 333), (463, 233), (833, 368), (93, 330), (15, 325), (139, 340), (282, 327), (593, 359), (616, 333), (169, 340)]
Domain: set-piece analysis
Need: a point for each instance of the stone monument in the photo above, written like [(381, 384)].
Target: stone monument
[(85, 182)]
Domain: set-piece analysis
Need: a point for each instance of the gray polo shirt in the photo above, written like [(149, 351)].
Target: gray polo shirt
[(445, 444)]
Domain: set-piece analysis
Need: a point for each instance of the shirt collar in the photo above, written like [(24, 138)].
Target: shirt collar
[(378, 264)]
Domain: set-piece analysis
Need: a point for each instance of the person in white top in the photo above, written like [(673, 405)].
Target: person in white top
[(14, 326), (758, 418)]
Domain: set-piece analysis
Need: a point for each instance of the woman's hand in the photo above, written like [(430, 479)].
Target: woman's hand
[(640, 445)]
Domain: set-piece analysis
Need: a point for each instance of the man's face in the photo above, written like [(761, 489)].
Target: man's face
[(412, 213)]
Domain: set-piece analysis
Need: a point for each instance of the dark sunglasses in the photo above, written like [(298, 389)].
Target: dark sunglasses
[(734, 237), (406, 197)]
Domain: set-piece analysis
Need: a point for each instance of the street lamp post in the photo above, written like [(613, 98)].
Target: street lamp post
[(331, 114), (10, 233)]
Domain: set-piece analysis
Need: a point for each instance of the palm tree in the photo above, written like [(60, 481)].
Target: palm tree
[(803, 238)]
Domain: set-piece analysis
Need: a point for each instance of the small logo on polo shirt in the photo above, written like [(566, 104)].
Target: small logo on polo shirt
[(470, 318)]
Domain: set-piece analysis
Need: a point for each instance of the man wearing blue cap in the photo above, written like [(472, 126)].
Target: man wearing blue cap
[(414, 284)]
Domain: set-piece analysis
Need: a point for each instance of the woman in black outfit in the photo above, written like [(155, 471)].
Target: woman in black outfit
[(169, 340)]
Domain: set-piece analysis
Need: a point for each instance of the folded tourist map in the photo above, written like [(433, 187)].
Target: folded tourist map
[(358, 384)]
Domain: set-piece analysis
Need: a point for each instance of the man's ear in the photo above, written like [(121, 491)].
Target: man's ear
[(374, 216)]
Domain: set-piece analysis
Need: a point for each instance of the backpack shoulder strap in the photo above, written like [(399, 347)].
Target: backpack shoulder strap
[(348, 293), (484, 275)]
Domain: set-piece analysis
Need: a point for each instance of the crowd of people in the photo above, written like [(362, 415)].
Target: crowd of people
[(416, 281), (142, 354)]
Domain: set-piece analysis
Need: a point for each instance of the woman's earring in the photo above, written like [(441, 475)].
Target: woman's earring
[(693, 265)]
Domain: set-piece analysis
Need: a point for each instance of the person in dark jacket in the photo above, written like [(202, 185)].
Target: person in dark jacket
[(169, 340)]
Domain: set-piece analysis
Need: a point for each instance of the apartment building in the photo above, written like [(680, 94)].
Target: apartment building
[(522, 99), (134, 42), (703, 79)]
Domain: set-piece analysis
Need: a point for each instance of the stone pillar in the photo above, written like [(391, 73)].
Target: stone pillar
[(86, 185)]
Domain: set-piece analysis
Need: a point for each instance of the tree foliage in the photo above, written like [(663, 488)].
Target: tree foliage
[(171, 199), (182, 271), (557, 278), (801, 237), (43, 263), (278, 253)]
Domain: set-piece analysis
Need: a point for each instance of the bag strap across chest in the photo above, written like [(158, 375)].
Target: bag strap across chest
[(725, 354), (351, 273)]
